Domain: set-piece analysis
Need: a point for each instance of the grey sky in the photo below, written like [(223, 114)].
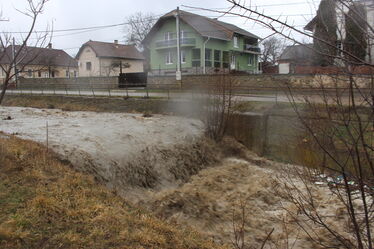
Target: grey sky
[(66, 14)]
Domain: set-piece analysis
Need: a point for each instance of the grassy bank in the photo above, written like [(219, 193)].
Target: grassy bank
[(46, 204)]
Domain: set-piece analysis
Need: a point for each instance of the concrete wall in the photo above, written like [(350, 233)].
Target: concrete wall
[(72, 83), (256, 80), (267, 135), (193, 81)]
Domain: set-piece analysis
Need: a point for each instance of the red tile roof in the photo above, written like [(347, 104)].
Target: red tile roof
[(39, 56), (112, 50)]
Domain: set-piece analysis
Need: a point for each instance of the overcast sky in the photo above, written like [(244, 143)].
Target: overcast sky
[(67, 14)]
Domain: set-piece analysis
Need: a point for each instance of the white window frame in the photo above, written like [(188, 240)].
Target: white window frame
[(168, 36), (236, 42), (169, 58), (183, 57), (183, 34)]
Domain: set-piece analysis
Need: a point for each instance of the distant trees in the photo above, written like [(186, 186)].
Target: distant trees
[(138, 26), (272, 48)]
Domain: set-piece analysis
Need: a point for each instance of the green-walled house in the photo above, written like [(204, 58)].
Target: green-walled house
[(207, 46)]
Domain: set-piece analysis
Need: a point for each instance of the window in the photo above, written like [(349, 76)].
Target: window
[(250, 60), (208, 57), (46, 75), (225, 59), (29, 73), (53, 74), (196, 57), (88, 66), (75, 74), (168, 58), (236, 44), (183, 57), (39, 74), (168, 36), (67, 73), (233, 62), (217, 58)]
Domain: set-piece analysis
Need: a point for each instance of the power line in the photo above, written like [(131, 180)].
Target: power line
[(256, 6), (83, 29)]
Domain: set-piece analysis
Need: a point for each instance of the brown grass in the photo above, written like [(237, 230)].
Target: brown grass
[(46, 204)]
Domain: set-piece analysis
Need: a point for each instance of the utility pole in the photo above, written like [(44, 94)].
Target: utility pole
[(178, 73)]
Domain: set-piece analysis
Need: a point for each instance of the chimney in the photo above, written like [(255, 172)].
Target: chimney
[(50, 45)]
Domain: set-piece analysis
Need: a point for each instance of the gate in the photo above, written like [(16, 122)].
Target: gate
[(127, 80)]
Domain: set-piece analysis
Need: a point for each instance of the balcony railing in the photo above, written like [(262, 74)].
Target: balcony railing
[(173, 43), (252, 48)]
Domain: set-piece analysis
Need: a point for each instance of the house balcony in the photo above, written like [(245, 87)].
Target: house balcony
[(253, 49), (185, 42)]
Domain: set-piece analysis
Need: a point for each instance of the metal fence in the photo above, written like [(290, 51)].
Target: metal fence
[(261, 93)]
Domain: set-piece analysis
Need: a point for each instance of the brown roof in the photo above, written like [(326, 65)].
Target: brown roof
[(303, 52), (205, 26), (311, 24), (112, 50), (39, 56)]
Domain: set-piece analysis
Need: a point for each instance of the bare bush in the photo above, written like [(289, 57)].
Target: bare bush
[(219, 107)]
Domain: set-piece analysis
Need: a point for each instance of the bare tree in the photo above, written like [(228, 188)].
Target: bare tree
[(137, 28), (272, 48), (339, 120), (12, 55)]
